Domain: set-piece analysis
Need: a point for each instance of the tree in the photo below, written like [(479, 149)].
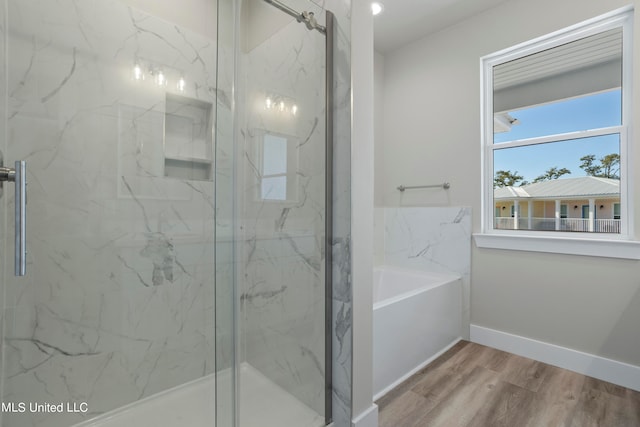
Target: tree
[(507, 179), (552, 173), (609, 166), (588, 166)]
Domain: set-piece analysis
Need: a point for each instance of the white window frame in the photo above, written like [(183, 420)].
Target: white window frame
[(592, 244)]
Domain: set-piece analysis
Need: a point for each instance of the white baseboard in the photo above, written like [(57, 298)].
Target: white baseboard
[(368, 418), (609, 370)]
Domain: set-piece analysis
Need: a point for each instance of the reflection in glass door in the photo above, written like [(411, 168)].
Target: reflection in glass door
[(283, 215), (112, 108)]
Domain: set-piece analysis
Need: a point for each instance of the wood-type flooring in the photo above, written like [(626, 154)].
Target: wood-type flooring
[(476, 386)]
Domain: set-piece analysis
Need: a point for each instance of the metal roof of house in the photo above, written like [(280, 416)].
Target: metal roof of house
[(585, 186)]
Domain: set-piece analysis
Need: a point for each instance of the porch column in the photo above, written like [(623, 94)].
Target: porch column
[(516, 214), (557, 215), (530, 214), (592, 215)]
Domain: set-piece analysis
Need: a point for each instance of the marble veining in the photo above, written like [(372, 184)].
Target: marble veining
[(342, 290), (282, 273), (282, 250), (118, 301)]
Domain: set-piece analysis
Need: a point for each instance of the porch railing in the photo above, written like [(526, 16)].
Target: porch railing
[(565, 224)]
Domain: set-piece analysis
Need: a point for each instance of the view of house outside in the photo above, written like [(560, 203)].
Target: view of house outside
[(569, 185)]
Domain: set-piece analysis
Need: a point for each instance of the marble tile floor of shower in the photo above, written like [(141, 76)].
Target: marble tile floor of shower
[(474, 385), (262, 404)]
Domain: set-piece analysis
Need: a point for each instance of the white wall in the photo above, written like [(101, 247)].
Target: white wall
[(364, 412), (432, 133), (378, 119)]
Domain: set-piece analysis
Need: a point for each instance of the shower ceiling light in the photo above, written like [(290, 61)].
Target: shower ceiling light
[(376, 8)]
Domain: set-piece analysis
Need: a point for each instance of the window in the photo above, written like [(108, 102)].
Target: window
[(555, 125), (278, 167), (563, 211)]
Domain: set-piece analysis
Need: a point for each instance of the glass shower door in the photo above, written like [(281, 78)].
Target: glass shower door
[(283, 216), (113, 109), (283, 291)]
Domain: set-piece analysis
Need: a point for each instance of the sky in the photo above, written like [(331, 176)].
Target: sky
[(590, 112)]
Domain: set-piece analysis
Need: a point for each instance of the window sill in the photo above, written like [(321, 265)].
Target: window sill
[(624, 249)]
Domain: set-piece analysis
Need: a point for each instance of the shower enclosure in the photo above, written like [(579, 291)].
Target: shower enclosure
[(288, 165), (186, 222), (111, 109)]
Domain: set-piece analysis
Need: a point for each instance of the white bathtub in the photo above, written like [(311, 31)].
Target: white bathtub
[(416, 317)]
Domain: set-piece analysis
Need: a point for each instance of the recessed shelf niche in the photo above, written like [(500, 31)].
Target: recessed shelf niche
[(188, 138)]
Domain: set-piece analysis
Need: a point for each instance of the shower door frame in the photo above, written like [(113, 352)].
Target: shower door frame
[(329, 32)]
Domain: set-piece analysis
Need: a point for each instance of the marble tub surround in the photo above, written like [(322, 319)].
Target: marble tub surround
[(118, 301), (436, 239)]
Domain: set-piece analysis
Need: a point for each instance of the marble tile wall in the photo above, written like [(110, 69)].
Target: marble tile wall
[(431, 239), (5, 188), (226, 152), (117, 303), (342, 291), (282, 297), (282, 249)]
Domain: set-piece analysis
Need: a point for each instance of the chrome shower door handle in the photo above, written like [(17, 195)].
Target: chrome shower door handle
[(21, 218), (19, 176)]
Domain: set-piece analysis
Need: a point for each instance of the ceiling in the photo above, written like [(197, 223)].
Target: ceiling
[(404, 21)]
